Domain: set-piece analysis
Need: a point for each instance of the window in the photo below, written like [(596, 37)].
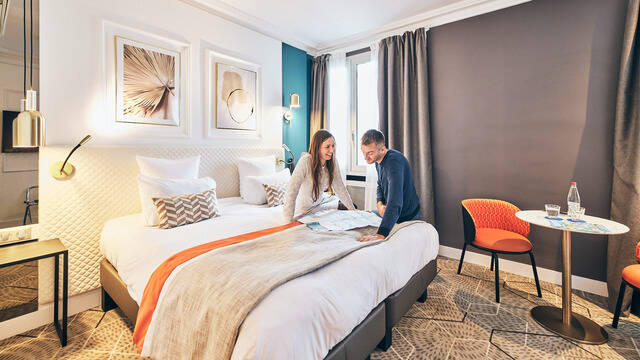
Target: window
[(364, 106)]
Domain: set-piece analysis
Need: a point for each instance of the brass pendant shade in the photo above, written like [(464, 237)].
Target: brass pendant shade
[(27, 129), (28, 126)]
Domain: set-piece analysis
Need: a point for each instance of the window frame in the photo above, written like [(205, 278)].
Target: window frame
[(354, 61)]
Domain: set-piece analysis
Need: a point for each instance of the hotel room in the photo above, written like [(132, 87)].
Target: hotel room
[(217, 179)]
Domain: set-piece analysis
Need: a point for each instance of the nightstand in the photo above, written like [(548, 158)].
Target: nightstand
[(36, 250)]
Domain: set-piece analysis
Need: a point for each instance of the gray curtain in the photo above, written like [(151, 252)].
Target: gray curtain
[(403, 97), (625, 196), (319, 94)]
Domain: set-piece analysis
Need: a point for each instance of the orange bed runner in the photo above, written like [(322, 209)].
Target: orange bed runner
[(161, 274)]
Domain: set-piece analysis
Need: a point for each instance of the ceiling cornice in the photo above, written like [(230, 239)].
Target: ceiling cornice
[(443, 15), (239, 17)]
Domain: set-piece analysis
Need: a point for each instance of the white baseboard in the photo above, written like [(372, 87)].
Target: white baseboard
[(552, 276), (44, 314)]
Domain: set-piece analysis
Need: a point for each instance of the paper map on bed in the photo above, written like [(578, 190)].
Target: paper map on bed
[(340, 220)]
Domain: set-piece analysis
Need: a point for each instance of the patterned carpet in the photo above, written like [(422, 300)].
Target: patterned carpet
[(460, 320)]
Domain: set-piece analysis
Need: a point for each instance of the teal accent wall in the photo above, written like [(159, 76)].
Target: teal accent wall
[(296, 78)]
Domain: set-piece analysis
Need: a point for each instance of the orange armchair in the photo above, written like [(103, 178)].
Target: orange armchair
[(631, 277), (492, 225)]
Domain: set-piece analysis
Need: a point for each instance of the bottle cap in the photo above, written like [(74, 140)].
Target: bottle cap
[(573, 183)]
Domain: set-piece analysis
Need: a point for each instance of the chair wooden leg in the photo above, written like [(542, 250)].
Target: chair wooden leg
[(464, 248), (497, 272), (616, 315), (491, 268), (535, 273)]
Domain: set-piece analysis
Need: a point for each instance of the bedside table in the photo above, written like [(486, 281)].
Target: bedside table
[(37, 250)]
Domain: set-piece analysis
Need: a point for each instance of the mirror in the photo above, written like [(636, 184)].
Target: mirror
[(18, 166)]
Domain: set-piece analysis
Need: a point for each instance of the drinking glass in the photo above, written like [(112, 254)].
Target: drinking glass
[(552, 210), (577, 214)]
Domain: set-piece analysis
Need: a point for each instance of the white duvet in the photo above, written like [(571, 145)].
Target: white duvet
[(301, 319)]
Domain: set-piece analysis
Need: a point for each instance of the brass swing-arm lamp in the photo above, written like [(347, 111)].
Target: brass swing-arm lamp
[(291, 162), (63, 169)]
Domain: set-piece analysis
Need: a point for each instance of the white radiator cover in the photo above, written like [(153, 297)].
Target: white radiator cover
[(103, 187)]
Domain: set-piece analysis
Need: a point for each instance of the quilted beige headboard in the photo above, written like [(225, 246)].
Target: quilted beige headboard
[(103, 187)]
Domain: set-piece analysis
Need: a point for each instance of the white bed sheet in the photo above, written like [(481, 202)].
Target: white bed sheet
[(301, 319)]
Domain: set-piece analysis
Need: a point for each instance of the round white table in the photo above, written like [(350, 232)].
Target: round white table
[(563, 321)]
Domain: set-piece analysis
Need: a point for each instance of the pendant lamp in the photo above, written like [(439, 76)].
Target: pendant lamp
[(28, 126)]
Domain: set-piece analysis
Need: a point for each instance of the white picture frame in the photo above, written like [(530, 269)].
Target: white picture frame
[(122, 128), (142, 71), (211, 57)]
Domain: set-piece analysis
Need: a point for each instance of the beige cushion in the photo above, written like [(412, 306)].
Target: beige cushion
[(186, 209), (275, 193)]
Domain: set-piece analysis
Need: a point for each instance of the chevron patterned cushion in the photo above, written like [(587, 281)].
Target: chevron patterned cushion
[(186, 209), (275, 193)]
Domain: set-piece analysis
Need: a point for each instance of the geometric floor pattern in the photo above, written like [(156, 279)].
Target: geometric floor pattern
[(459, 320)]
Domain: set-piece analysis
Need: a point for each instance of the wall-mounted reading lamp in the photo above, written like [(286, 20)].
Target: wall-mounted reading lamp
[(294, 102), (291, 162), (62, 170)]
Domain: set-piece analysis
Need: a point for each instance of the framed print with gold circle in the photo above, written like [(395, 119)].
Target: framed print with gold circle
[(236, 98)]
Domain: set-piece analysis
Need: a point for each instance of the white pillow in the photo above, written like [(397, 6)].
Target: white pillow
[(255, 192), (254, 167), (151, 187), (186, 168)]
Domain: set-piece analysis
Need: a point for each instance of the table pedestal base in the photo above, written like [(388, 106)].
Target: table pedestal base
[(581, 329)]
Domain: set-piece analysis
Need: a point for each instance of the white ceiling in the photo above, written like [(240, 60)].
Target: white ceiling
[(327, 21), (320, 26)]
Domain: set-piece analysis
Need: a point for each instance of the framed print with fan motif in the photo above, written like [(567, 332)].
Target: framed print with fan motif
[(148, 83)]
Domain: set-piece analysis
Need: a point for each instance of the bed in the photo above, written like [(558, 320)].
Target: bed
[(342, 321)]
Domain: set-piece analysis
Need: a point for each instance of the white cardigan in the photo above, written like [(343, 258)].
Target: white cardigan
[(299, 195)]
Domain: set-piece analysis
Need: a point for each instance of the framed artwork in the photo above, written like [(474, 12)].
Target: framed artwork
[(236, 98), (232, 94), (148, 83)]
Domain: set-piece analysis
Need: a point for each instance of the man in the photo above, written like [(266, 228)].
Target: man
[(397, 197)]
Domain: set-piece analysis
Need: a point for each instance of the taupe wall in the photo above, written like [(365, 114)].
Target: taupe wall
[(522, 103)]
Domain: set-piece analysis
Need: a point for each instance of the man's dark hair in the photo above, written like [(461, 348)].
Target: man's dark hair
[(372, 136)]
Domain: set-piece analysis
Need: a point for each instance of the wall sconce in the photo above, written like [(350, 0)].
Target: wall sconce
[(291, 162), (294, 102), (62, 170)]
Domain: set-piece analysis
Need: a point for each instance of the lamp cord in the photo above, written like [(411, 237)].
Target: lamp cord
[(31, 46), (24, 47)]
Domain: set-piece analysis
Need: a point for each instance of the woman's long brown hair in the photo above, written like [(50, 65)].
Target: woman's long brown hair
[(316, 163)]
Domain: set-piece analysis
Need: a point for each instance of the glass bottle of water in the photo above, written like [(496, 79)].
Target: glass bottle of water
[(573, 200)]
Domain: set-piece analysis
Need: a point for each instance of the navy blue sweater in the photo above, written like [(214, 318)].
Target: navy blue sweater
[(396, 191)]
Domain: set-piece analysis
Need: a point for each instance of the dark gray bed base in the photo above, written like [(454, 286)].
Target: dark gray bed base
[(374, 330)]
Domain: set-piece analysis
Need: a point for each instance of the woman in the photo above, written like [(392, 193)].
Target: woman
[(315, 173)]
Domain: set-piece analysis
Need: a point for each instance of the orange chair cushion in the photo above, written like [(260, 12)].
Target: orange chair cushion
[(638, 251), (631, 274), (501, 240), (495, 214)]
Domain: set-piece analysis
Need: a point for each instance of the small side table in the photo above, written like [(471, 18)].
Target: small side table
[(562, 321), (37, 250)]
